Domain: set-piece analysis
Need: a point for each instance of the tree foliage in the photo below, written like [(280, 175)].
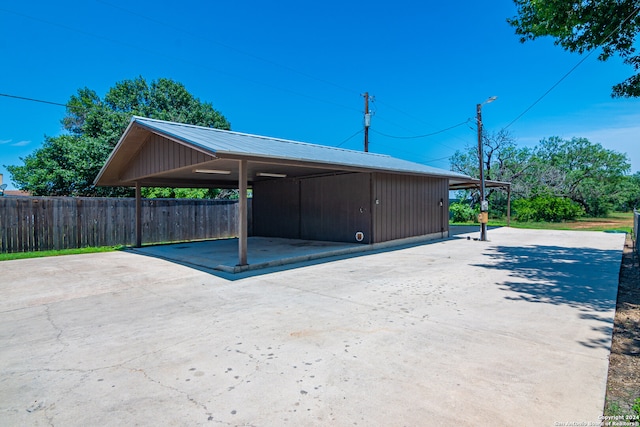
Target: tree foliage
[(66, 165), (547, 208), (630, 194), (503, 161), (582, 171), (580, 26), (462, 212), (191, 193), (578, 170)]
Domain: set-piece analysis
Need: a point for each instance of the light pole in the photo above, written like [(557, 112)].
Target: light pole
[(484, 206)]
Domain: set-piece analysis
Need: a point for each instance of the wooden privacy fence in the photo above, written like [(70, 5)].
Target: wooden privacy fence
[(45, 223), (636, 229)]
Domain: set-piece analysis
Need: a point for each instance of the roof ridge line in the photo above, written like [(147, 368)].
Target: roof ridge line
[(135, 118)]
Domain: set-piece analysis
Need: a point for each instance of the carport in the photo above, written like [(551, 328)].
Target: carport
[(475, 184), (300, 190)]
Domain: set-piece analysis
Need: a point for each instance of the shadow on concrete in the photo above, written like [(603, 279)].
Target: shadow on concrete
[(583, 278), (559, 275), (457, 230), (605, 331), (266, 255)]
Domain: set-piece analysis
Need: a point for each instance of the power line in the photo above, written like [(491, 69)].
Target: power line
[(164, 55), (428, 135), (375, 101), (217, 70), (24, 98), (548, 91), (422, 136), (414, 155), (417, 119), (438, 159), (572, 69), (347, 139), (406, 114)]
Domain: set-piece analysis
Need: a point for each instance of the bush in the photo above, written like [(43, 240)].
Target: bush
[(461, 212), (547, 208)]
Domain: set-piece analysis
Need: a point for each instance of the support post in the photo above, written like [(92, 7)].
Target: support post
[(509, 205), (242, 213), (138, 215)]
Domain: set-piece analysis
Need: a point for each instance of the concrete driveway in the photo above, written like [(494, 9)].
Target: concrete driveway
[(515, 331)]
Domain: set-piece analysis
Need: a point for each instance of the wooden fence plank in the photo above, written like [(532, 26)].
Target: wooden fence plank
[(44, 223)]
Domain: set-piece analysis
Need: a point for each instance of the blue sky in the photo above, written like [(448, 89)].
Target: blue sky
[(296, 70)]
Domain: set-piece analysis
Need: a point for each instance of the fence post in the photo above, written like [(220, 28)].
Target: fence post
[(636, 229), (138, 215), (40, 223)]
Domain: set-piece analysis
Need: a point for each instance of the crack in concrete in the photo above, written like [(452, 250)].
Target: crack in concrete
[(58, 329), (184, 393), (119, 365), (49, 417), (37, 406)]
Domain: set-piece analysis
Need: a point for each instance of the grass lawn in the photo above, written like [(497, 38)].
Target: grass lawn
[(24, 255), (621, 222)]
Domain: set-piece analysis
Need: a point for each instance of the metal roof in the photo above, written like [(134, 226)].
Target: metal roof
[(223, 141), (223, 144)]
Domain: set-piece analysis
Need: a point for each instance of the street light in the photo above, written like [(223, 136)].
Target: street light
[(484, 205)]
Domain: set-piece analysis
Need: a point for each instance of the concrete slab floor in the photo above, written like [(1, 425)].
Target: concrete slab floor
[(262, 252), (514, 331), (265, 252)]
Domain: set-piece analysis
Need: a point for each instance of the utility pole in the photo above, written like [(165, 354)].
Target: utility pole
[(484, 205), (367, 121), (483, 225)]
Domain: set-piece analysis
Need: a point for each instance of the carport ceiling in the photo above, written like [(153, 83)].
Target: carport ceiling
[(160, 153), (223, 173), (475, 183)]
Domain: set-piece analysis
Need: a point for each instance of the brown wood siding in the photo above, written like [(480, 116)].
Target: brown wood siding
[(276, 205), (336, 207), (319, 208), (406, 206), (160, 154)]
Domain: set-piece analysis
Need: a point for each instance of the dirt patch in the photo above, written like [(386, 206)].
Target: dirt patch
[(623, 381), (593, 224), (611, 223)]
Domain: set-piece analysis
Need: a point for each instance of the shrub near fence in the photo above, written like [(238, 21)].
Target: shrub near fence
[(45, 223)]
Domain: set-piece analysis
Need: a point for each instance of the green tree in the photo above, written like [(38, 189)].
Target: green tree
[(582, 171), (180, 193), (576, 169), (462, 212), (547, 208), (503, 161), (580, 26), (66, 165), (630, 195)]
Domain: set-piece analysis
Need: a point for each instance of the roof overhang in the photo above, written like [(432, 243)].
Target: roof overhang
[(460, 184), (213, 157)]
